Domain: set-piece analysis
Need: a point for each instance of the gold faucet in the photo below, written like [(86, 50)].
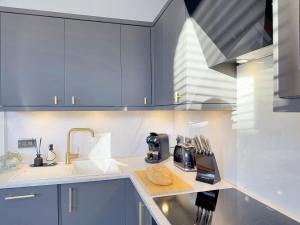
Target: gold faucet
[(69, 155)]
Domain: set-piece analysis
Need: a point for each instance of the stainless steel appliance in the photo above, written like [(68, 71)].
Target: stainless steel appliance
[(219, 207), (184, 157), (158, 148)]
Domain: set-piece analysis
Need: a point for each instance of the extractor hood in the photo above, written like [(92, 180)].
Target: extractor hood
[(228, 29)]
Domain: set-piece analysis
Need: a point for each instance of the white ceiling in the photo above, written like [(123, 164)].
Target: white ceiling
[(139, 10)]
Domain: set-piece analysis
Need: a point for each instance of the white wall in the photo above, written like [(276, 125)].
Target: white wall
[(268, 145), (139, 10)]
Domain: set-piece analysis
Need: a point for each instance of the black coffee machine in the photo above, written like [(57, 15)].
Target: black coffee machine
[(158, 148)]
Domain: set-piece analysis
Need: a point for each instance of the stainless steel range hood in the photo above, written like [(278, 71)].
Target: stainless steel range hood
[(228, 29)]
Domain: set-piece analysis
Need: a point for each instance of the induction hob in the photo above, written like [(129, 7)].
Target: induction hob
[(219, 207)]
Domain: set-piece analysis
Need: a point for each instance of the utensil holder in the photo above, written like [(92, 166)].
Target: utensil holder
[(207, 168)]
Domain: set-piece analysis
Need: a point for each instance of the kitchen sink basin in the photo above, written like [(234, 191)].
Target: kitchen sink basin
[(96, 167)]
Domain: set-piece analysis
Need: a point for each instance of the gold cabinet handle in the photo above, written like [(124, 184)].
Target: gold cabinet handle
[(145, 101), (177, 97), (55, 100), (73, 100), (70, 200), (141, 205), (19, 197)]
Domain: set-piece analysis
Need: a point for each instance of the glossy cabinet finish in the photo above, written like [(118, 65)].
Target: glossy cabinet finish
[(30, 205), (136, 212), (93, 64), (165, 35), (136, 65), (32, 60), (93, 203)]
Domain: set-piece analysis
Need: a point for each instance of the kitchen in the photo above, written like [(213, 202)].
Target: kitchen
[(183, 71)]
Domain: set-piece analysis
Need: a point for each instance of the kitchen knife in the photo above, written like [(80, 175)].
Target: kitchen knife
[(203, 142), (199, 143), (196, 144), (209, 146)]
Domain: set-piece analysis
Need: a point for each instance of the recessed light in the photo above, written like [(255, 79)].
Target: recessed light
[(242, 61)]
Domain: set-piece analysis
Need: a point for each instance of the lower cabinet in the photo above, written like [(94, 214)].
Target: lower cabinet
[(110, 202), (93, 203), (29, 206), (136, 212)]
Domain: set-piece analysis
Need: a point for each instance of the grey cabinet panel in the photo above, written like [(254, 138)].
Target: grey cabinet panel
[(136, 65), (162, 83), (93, 203), (136, 212), (32, 60), (93, 66), (39, 210), (165, 35)]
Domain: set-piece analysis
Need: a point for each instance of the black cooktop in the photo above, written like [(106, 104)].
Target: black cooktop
[(219, 207)]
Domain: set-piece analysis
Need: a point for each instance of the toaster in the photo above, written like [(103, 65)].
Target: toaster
[(184, 157)]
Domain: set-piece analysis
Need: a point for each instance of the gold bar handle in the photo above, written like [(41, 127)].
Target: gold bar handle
[(177, 97), (73, 100), (55, 100), (19, 197), (70, 200), (145, 101), (141, 205)]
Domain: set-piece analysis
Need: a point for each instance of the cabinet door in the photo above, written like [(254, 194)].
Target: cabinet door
[(93, 65), (136, 212), (136, 65), (165, 48), (32, 205), (32, 60), (93, 203)]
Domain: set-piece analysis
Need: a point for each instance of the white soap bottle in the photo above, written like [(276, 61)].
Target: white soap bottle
[(51, 155)]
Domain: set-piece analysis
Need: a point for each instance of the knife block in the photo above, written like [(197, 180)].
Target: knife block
[(207, 168)]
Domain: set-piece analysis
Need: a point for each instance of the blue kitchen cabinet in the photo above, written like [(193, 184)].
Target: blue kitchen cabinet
[(29, 206), (32, 60), (136, 212), (165, 35), (93, 203), (136, 65), (93, 64)]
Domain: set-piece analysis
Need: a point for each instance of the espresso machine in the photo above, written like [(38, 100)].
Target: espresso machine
[(158, 148)]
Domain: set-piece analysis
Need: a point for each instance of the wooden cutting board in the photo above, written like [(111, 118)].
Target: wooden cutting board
[(178, 184)]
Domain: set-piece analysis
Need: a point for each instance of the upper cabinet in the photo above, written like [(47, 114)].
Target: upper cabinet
[(72, 64), (32, 60), (165, 49), (136, 65), (93, 64), (181, 74)]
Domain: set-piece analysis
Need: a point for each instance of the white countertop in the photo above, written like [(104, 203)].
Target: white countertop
[(61, 174)]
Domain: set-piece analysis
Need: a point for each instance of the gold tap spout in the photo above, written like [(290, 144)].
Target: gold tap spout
[(69, 155)]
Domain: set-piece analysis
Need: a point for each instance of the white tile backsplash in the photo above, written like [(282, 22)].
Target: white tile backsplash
[(128, 130)]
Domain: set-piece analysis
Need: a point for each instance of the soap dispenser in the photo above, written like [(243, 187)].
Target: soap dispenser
[(51, 155)]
